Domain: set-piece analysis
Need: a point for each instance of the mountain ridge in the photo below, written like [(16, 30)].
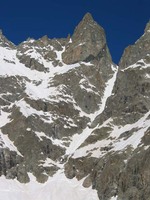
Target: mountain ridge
[(68, 111)]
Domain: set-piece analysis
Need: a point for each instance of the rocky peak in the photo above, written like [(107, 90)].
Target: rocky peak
[(4, 42), (88, 42), (86, 23), (137, 51), (147, 28), (88, 17), (45, 40)]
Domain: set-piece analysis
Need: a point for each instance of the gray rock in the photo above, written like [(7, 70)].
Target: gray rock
[(138, 51), (87, 43)]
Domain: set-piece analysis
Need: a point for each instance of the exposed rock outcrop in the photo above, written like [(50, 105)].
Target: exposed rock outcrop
[(140, 50), (87, 43)]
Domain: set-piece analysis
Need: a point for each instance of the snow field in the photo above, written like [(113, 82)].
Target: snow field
[(56, 188)]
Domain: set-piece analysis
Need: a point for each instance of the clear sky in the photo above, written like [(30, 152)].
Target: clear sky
[(123, 20)]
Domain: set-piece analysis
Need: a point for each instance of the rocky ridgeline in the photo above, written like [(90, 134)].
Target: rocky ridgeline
[(65, 106)]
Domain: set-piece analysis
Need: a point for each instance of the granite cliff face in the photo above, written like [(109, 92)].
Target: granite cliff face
[(66, 108), (87, 43)]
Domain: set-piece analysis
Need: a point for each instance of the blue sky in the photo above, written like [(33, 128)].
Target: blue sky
[(123, 21)]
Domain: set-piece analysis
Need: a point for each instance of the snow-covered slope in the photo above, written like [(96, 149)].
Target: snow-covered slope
[(57, 187)]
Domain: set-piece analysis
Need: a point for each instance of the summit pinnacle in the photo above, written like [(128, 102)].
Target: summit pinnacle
[(147, 28), (88, 42)]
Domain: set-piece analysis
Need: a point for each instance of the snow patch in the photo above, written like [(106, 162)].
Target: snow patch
[(56, 188), (7, 143), (107, 93), (114, 198)]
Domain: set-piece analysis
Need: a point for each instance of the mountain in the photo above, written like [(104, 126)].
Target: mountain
[(73, 124)]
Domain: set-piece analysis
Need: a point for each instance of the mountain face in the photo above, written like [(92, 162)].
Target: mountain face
[(74, 125)]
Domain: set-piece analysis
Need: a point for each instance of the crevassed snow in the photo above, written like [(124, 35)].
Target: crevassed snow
[(56, 188)]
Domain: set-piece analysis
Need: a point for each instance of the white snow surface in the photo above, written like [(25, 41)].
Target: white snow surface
[(107, 93), (56, 188), (114, 198)]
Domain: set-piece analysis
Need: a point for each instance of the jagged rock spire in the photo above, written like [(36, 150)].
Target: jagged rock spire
[(87, 18), (4, 42), (137, 51), (147, 28), (88, 40)]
